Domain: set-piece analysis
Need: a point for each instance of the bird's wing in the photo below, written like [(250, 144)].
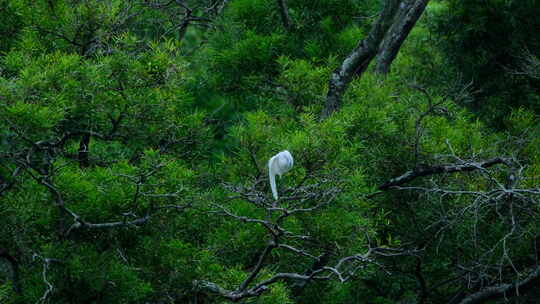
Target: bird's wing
[(285, 162), (290, 158)]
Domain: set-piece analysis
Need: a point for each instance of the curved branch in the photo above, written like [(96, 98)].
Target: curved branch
[(440, 169), (504, 290), (259, 266)]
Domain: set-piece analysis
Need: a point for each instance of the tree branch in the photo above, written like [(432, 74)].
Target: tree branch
[(504, 290), (50, 288), (271, 245), (308, 198), (406, 18), (284, 12), (358, 60), (440, 169)]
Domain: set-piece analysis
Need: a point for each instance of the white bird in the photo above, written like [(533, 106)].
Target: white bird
[(279, 164)]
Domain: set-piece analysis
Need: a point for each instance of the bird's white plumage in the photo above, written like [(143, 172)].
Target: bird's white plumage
[(279, 164)]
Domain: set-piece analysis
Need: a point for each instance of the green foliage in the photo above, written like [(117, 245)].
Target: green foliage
[(112, 115), (6, 293), (10, 25), (246, 58), (259, 15), (488, 41)]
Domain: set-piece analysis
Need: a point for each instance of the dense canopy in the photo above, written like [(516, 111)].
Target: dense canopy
[(135, 138)]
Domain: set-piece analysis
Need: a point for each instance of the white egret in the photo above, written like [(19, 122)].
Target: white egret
[(279, 164)]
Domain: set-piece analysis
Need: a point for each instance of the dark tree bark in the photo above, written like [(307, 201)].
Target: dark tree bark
[(537, 247), (406, 18), (440, 169), (284, 12), (14, 269), (358, 60), (395, 16)]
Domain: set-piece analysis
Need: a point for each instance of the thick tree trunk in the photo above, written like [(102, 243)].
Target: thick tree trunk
[(406, 18), (389, 31), (14, 269), (284, 12), (358, 60), (537, 247)]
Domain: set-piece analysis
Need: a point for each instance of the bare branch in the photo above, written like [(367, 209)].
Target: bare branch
[(440, 169), (271, 245), (303, 199), (49, 287), (80, 224), (58, 35), (343, 270), (298, 251), (504, 290)]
